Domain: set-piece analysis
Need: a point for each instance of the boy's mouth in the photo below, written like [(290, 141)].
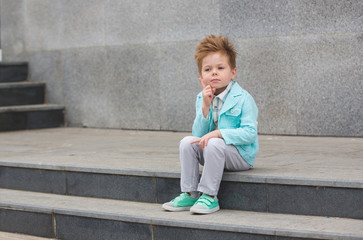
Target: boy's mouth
[(214, 80)]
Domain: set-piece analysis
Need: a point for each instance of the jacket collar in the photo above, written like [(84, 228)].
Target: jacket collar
[(232, 98)]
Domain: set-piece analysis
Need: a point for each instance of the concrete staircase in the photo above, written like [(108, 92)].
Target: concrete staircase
[(70, 183), (22, 102)]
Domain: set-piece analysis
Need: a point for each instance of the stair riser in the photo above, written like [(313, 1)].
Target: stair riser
[(27, 222), (10, 121), (73, 227), (290, 199), (13, 73), (22, 96), (68, 227)]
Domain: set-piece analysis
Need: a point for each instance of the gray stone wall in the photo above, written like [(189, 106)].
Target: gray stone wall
[(130, 63)]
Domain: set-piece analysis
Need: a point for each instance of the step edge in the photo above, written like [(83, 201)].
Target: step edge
[(13, 63), (34, 107), (23, 84), (180, 223), (230, 177), (22, 236)]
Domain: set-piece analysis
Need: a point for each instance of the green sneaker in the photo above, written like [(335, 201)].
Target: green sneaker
[(205, 205), (181, 203)]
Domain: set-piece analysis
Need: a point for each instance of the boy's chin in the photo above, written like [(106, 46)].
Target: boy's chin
[(220, 90)]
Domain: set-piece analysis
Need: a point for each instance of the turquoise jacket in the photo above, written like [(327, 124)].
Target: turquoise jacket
[(237, 122)]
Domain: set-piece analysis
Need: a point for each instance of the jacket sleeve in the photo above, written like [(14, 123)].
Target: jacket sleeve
[(201, 124), (246, 133)]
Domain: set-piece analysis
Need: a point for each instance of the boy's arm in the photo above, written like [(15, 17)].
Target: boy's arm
[(201, 123), (202, 107), (203, 141), (201, 126), (208, 95), (247, 132)]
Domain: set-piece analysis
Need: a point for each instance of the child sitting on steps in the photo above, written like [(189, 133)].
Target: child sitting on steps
[(224, 129)]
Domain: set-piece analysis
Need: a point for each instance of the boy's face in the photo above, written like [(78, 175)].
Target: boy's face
[(217, 72)]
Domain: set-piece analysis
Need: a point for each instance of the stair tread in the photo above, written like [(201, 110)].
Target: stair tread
[(282, 160), (34, 107), (13, 63), (149, 213), (22, 84), (17, 236)]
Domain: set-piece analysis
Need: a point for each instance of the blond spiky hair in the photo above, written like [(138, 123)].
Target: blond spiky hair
[(212, 44)]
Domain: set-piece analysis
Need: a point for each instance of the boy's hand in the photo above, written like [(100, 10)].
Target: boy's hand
[(208, 95), (203, 141)]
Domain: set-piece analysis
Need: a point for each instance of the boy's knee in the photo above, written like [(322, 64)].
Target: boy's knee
[(185, 142), (215, 144), (215, 151)]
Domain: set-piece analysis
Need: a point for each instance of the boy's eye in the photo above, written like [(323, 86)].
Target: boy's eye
[(207, 69), (220, 67)]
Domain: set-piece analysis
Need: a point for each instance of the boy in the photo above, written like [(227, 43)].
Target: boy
[(224, 129)]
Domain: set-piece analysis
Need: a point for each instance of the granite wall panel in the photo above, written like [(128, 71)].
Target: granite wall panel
[(129, 64), (179, 85), (266, 69), (330, 90), (160, 21), (131, 21), (85, 87), (333, 16), (64, 24), (134, 86), (46, 67), (43, 25), (248, 18), (12, 30), (188, 20), (83, 23)]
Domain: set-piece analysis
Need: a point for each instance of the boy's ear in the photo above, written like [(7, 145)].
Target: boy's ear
[(234, 73)]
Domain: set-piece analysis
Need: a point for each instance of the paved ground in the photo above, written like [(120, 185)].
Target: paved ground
[(336, 161)]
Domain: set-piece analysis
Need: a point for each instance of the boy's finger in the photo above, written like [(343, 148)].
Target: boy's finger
[(195, 141), (201, 144), (205, 142)]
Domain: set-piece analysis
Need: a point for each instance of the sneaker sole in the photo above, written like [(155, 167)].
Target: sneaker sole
[(204, 211), (174, 209)]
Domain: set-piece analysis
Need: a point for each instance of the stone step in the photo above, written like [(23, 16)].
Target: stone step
[(17, 236), (13, 72), (293, 175), (31, 117), (67, 217), (142, 187), (21, 93)]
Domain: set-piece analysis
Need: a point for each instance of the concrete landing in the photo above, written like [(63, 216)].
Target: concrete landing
[(318, 161)]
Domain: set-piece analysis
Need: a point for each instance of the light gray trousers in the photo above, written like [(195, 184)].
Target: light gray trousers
[(216, 157)]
